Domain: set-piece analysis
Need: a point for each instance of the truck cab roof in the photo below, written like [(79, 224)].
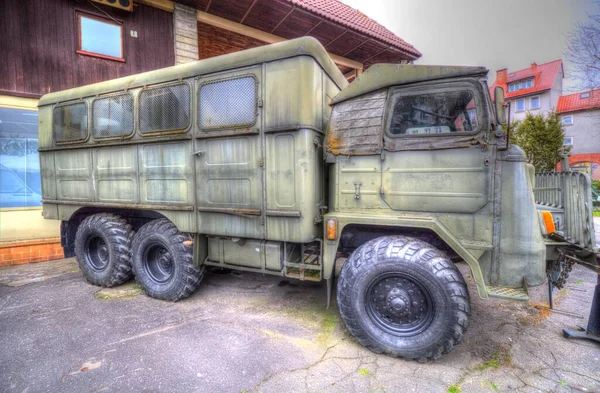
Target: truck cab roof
[(379, 76)]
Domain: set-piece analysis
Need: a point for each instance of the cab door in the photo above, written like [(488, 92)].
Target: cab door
[(434, 160), (228, 150)]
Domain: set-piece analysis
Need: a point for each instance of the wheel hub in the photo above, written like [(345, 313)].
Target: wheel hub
[(399, 304), (96, 253), (158, 263)]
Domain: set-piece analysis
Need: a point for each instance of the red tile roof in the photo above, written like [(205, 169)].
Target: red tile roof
[(574, 102), (544, 76), (353, 19)]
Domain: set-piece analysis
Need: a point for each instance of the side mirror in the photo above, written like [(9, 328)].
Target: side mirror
[(499, 102)]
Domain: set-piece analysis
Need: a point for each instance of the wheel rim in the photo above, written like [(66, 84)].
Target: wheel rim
[(97, 254), (399, 304), (158, 263)]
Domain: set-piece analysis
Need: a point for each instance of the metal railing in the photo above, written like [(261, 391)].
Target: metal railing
[(570, 191)]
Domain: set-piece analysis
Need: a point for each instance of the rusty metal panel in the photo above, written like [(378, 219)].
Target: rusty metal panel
[(74, 175), (166, 173), (116, 174), (355, 126), (450, 181)]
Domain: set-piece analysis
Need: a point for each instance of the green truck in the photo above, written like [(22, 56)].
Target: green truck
[(267, 161)]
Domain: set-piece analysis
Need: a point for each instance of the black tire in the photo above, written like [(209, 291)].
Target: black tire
[(103, 249), (419, 313), (163, 263)]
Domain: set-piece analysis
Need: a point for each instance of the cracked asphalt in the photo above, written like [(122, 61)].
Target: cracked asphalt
[(243, 332)]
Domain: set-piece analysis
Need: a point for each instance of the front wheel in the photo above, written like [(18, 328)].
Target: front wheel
[(163, 261), (401, 296)]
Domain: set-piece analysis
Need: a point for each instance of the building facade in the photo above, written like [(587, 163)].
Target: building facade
[(580, 116), (535, 89), (52, 45)]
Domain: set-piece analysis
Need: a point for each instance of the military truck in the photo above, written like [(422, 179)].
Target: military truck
[(267, 161)]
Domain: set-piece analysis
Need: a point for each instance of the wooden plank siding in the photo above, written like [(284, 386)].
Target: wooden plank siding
[(39, 38)]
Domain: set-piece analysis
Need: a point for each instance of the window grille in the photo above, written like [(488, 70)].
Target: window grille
[(113, 116), (69, 122), (165, 108), (229, 103)]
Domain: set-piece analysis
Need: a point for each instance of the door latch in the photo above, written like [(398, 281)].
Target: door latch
[(357, 190), (199, 153)]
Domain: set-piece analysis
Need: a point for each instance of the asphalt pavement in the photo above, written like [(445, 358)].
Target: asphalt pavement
[(243, 332)]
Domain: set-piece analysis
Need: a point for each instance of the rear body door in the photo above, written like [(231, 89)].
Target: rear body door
[(229, 160)]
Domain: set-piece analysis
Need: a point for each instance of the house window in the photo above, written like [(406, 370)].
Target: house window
[(100, 37), (524, 84), (520, 105), (20, 185), (567, 120), (568, 141), (534, 102), (584, 95)]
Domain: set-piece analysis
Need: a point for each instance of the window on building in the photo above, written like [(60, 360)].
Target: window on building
[(100, 37), (524, 84), (568, 141), (584, 95), (567, 120), (520, 105), (534, 102), (20, 184)]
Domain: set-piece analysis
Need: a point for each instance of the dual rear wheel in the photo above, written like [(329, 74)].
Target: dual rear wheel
[(158, 254)]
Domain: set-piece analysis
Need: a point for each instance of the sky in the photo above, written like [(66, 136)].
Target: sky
[(493, 33)]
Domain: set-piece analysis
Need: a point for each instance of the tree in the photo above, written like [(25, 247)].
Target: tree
[(541, 138), (583, 51)]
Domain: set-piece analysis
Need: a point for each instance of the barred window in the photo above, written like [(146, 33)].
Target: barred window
[(113, 116), (69, 122), (227, 103), (165, 108)]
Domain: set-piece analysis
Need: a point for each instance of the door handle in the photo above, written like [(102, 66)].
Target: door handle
[(199, 153)]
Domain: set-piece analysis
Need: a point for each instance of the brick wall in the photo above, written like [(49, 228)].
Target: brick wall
[(17, 253), (213, 41)]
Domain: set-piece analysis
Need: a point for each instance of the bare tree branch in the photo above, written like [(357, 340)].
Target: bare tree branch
[(583, 51)]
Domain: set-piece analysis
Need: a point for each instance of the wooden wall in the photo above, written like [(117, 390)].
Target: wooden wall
[(38, 40)]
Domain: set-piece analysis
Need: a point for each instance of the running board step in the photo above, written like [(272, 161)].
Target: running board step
[(309, 266), (517, 294)]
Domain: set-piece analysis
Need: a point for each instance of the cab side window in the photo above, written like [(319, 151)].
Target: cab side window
[(434, 113)]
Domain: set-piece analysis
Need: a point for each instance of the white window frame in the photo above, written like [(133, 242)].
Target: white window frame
[(531, 102), (562, 120), (517, 105), (570, 138)]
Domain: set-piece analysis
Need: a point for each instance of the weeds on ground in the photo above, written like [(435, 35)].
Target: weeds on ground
[(454, 389)]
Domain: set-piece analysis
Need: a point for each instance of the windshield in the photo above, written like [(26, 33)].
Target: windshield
[(434, 113)]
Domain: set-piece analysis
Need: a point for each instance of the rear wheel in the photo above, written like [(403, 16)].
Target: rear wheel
[(401, 296), (102, 249), (163, 261)]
